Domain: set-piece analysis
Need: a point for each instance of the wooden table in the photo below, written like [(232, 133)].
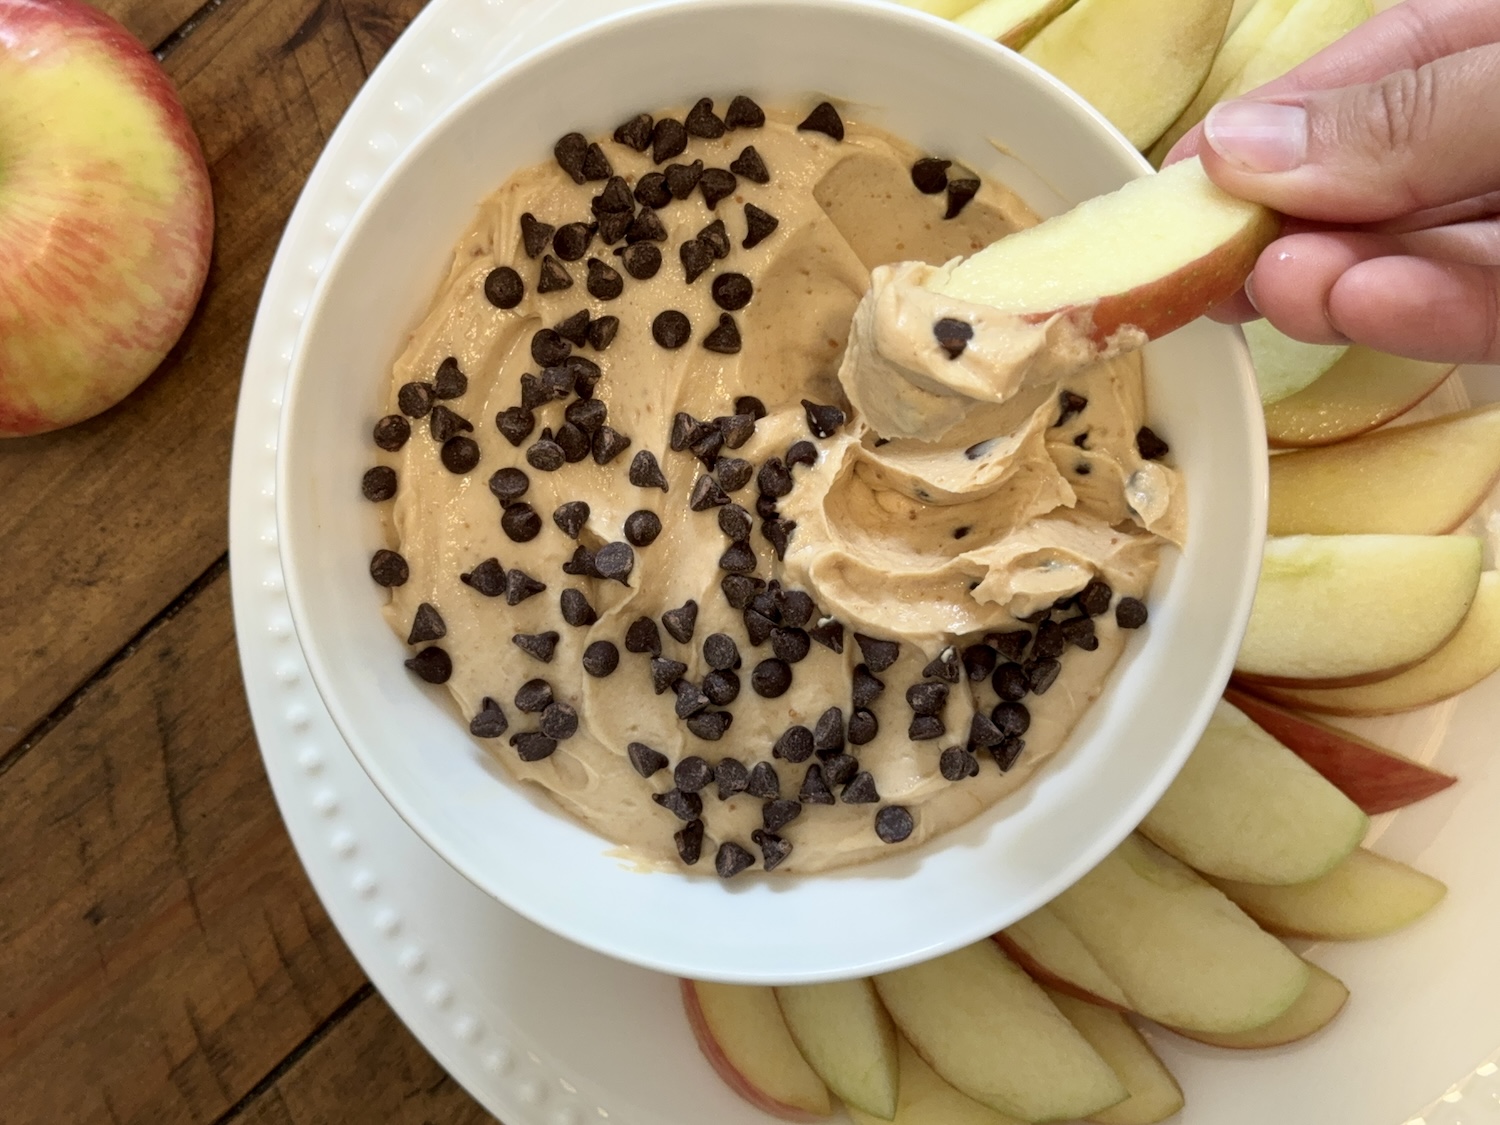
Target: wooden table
[(163, 958)]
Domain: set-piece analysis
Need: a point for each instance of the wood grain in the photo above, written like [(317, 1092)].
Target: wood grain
[(150, 21)]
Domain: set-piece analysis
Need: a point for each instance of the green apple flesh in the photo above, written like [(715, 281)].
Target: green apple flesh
[(1284, 366), (106, 218), (927, 1100), (1012, 23), (847, 1037), (1363, 390), (1154, 1093), (1320, 1003), (1055, 957)]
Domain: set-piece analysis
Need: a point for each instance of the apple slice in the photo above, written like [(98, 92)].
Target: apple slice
[(1245, 807), (1366, 896), (1154, 255), (741, 1032), (1363, 390), (1097, 47), (1321, 1001), (1337, 610), (1154, 1093), (1423, 479), (1012, 23), (943, 9), (927, 1100), (1284, 366), (1471, 656), (984, 1026), (1182, 952), (1055, 957), (1374, 778), (847, 1037)]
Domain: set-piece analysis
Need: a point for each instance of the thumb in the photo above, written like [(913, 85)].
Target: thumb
[(1414, 140)]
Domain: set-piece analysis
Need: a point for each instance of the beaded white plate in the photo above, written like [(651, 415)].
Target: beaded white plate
[(544, 1033)]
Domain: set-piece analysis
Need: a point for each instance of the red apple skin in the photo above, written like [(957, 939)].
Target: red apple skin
[(106, 215), (1047, 978), (725, 1070), (1375, 779)]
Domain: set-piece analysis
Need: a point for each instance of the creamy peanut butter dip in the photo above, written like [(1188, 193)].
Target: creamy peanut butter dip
[(637, 660)]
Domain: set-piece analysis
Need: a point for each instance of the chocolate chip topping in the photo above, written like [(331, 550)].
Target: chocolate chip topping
[(1011, 644), (683, 178), (520, 522), (743, 113), (861, 790), (930, 175), (433, 665), (717, 184), (823, 119), (449, 381), (671, 329), (731, 776), (684, 806), (732, 859), (559, 722), (689, 840), (645, 760), (643, 636), (1130, 613), (651, 190), (774, 479), (515, 423), (488, 578), (960, 191), (733, 473), (1041, 674), (533, 746), (519, 586), (669, 138), (693, 774), (716, 237), (791, 645), (828, 732), (553, 276), (738, 558), (602, 331), (571, 241), (734, 521), (426, 625), (642, 527), (608, 444), (777, 814), (739, 589), (601, 658), (1094, 598), (815, 789), (879, 655), (664, 672), (615, 561), (707, 447), (378, 483), (829, 633), (957, 764), (764, 782), (771, 678), (1149, 446), (681, 622), (759, 225), (545, 455), (953, 336), (696, 258), (542, 646), (979, 662), (392, 432), (596, 165), (534, 697), (490, 722), (710, 725), (641, 261), (415, 399), (576, 610), (570, 151), (1006, 753), (945, 666), (1009, 718), (604, 281), (923, 728), (460, 455), (443, 423), (534, 234), (736, 429), (701, 121), (388, 568), (635, 133), (894, 824), (823, 420), (927, 697), (750, 164), (725, 339)]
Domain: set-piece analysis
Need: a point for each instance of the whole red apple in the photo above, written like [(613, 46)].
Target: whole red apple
[(106, 216)]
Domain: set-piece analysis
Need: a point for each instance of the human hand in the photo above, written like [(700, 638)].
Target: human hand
[(1384, 152)]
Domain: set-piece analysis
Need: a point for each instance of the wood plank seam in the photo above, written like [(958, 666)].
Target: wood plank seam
[(186, 28)]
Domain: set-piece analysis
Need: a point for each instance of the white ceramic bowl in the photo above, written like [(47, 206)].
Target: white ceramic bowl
[(946, 91)]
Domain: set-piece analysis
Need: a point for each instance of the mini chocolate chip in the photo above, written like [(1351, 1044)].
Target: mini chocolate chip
[(720, 652), (771, 678), (953, 336), (1010, 719), (602, 330), (1011, 645), (774, 479), (725, 339), (960, 191), (957, 764), (1049, 640), (706, 448), (765, 507), (415, 399), (392, 432), (534, 234), (1041, 674), (925, 727), (797, 608), (426, 625), (388, 568), (581, 564), (979, 662), (828, 732), (520, 522), (449, 381), (669, 138), (1079, 631), (651, 190), (488, 578), (546, 455), (690, 699), (731, 776), (432, 665), (614, 225), (645, 760), (1010, 682), (549, 349), (635, 133), (893, 824), (685, 430), (863, 727), (764, 782), (614, 199), (1149, 446), (701, 121), (733, 474), (751, 165), (738, 558), (460, 455), (1070, 405), (1094, 598), (559, 721), (684, 806), (571, 241), (828, 632), (732, 859), (515, 423), (689, 841), (608, 444), (945, 666), (664, 671), (867, 688), (716, 238), (683, 178), (643, 636), (576, 610), (641, 261), (791, 645), (681, 622), (740, 588), (930, 175), (717, 184), (596, 165), (542, 646), (706, 494), (759, 225), (570, 150), (778, 533), (861, 790), (772, 847), (839, 768), (1081, 440), (696, 257), (1006, 753), (509, 484), (601, 658), (671, 329), (604, 281), (504, 288), (587, 414), (767, 604), (983, 731), (378, 483), (815, 789), (734, 521), (879, 655), (722, 688), (824, 421), (534, 696), (615, 561), (1130, 613), (710, 725), (642, 528), (533, 746), (927, 697), (553, 276), (736, 429), (743, 113), (749, 404), (777, 813), (519, 586), (444, 424), (693, 774), (490, 722), (823, 119)]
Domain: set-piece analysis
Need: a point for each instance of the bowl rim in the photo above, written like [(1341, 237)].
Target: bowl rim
[(1127, 817)]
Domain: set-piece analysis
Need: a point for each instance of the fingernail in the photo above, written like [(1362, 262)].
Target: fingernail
[(1258, 136), (1250, 293)]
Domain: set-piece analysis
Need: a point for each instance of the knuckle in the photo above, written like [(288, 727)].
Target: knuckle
[(1396, 117)]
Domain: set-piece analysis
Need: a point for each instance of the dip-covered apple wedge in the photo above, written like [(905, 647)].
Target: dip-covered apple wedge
[(928, 1100), (1098, 46), (1340, 610), (989, 1030), (847, 1037), (1363, 390), (1471, 655), (1183, 953), (1423, 479), (1154, 1093), (1374, 778), (1245, 807), (742, 1034), (1055, 956), (1153, 256), (1284, 366), (1365, 896), (1012, 23), (1320, 1003)]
